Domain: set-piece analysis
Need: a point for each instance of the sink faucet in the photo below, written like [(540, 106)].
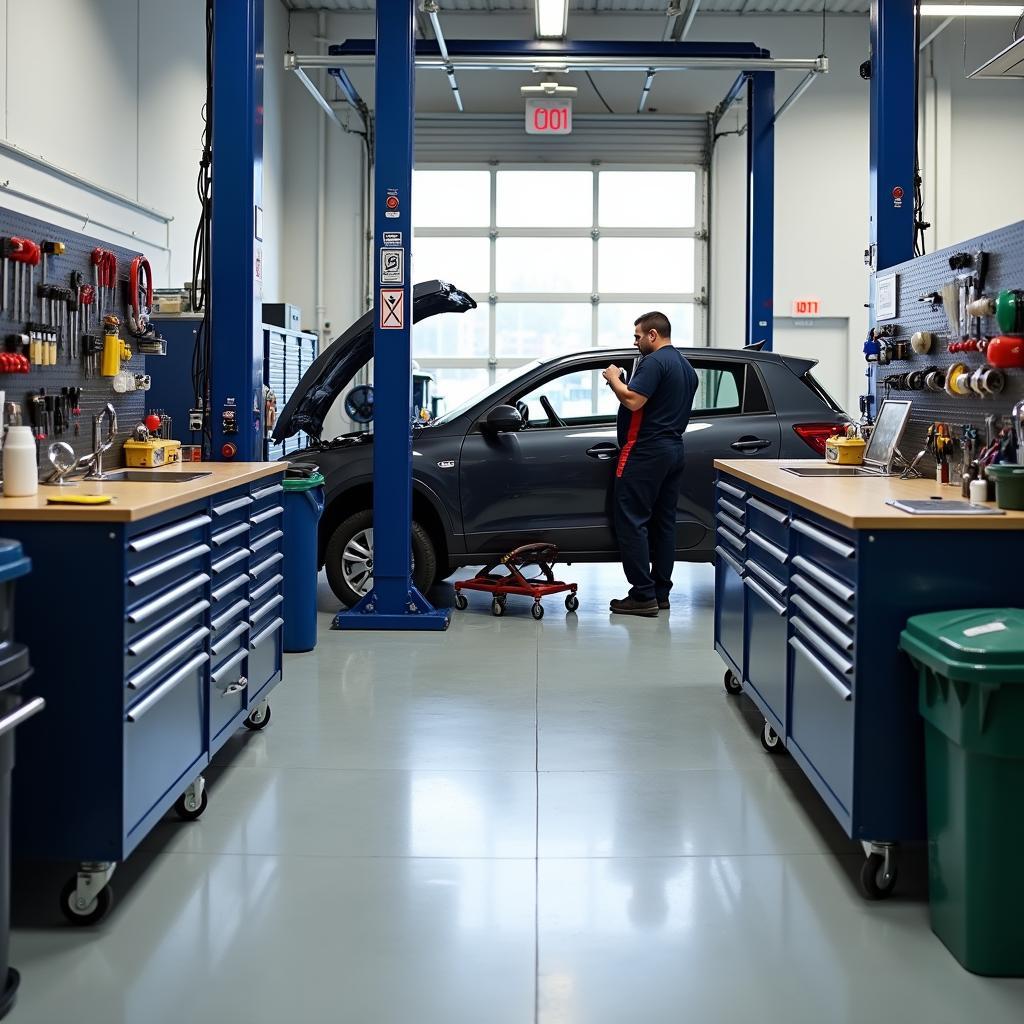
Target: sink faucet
[(100, 444)]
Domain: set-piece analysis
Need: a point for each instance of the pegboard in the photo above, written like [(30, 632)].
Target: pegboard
[(927, 274), (96, 391)]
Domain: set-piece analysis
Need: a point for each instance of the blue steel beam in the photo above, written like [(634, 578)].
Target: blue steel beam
[(393, 603), (760, 207), (236, 260)]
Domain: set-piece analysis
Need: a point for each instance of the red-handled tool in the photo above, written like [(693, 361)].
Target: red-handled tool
[(24, 252)]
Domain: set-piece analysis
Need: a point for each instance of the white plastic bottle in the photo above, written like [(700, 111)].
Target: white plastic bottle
[(21, 474)]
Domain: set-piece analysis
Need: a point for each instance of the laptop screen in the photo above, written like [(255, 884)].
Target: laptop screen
[(892, 419)]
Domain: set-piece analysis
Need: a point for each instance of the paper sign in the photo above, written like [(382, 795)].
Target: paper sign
[(392, 309), (392, 266)]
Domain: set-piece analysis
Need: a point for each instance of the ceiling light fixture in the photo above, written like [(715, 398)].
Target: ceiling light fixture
[(971, 10), (552, 18)]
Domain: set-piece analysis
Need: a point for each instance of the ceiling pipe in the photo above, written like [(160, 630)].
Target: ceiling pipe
[(431, 8), (805, 84), (648, 82), (673, 12), (317, 95), (934, 34), (691, 14)]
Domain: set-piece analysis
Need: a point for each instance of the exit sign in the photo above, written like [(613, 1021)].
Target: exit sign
[(806, 307), (549, 116)]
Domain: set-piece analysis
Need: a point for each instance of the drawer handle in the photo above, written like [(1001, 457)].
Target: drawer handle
[(226, 534), (779, 554), (229, 560), (831, 656), (769, 510), (734, 491), (839, 638), (264, 588), (150, 608), (262, 517), (232, 585), (826, 540), (728, 535), (776, 606), (266, 492), (238, 606), (166, 686), (842, 590), (230, 506), (137, 579), (258, 570), (766, 577), (822, 669), (215, 677), (727, 520), (264, 633), (733, 510), (259, 545), (225, 640), (266, 609), (142, 644), (150, 540), (837, 611), (154, 668), (22, 714), (722, 553)]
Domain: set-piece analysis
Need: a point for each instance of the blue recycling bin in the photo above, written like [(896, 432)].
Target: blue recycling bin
[(303, 506)]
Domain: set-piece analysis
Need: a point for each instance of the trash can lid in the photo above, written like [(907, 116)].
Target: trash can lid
[(307, 483), (13, 562), (981, 645)]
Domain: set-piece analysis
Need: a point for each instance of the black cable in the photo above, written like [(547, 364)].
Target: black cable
[(824, 9), (920, 225), (598, 91)]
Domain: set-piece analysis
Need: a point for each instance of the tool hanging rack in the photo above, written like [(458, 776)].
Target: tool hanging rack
[(68, 283)]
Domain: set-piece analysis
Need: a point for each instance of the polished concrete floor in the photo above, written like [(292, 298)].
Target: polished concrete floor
[(565, 822)]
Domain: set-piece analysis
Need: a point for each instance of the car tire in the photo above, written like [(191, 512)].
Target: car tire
[(423, 555)]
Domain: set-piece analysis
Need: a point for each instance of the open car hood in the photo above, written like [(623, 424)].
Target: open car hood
[(332, 371)]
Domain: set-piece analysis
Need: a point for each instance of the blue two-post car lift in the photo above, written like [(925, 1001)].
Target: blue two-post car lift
[(236, 264)]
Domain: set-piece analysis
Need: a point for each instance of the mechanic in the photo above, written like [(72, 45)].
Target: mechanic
[(654, 409)]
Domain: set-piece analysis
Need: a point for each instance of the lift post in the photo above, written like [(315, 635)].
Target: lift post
[(393, 603), (760, 207)]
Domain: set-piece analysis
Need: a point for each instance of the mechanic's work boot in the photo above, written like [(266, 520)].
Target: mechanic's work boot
[(663, 604), (631, 606)]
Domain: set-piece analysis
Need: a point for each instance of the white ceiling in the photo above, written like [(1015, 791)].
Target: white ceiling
[(653, 7)]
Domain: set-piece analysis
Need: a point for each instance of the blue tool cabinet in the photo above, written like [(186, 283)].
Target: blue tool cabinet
[(156, 639), (807, 619)]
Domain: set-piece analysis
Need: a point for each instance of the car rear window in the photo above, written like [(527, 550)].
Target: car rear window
[(820, 392)]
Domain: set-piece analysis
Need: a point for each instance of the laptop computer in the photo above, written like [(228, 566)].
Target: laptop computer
[(881, 450)]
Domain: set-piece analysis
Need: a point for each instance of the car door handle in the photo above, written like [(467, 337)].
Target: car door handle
[(604, 451), (750, 444)]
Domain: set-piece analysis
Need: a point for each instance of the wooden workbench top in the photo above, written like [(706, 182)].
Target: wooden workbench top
[(133, 501), (859, 502)]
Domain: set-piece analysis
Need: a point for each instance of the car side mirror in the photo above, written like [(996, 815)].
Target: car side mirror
[(502, 419)]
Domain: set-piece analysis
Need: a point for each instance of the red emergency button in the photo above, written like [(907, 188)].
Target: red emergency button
[(897, 192), (228, 450), (391, 202)]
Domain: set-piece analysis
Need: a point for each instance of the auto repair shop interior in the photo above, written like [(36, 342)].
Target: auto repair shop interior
[(324, 696)]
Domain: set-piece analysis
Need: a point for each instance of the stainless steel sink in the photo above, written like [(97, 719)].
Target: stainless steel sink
[(150, 476)]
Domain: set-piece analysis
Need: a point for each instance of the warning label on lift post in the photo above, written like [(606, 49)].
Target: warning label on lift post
[(392, 309), (392, 266)]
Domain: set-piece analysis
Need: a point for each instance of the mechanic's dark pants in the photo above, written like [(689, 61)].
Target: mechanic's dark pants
[(646, 495)]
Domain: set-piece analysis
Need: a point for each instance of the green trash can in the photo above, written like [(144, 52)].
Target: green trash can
[(971, 695)]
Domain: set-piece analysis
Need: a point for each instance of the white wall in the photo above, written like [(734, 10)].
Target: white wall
[(821, 195), (112, 90)]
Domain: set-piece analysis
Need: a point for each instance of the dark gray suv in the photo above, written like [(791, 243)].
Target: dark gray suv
[(486, 480)]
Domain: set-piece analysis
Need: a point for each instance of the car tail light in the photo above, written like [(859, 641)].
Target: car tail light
[(814, 435)]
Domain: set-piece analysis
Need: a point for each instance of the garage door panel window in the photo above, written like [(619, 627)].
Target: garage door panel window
[(548, 199), (615, 320), (541, 329), (451, 199), (647, 199), (645, 265), (463, 262), (462, 336), (541, 265)]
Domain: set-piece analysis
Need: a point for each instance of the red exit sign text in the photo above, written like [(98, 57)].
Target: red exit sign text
[(549, 117), (806, 307)]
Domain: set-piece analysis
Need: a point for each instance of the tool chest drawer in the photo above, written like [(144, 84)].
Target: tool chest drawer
[(768, 554), (730, 607), (154, 577), (264, 495), (163, 635), (150, 670), (266, 521), (770, 518), (828, 548), (766, 608), (230, 508), (263, 565), (229, 690), (148, 611), (228, 588), (265, 653), (159, 544), (229, 562), (163, 737)]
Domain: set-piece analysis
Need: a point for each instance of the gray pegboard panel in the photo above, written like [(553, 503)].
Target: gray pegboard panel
[(96, 391), (929, 273)]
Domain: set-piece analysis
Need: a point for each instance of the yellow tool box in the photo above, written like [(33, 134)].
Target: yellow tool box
[(845, 451), (151, 453)]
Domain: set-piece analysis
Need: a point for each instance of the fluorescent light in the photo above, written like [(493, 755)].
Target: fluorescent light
[(971, 11), (552, 18)]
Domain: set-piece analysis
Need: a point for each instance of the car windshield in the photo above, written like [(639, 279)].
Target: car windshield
[(497, 386)]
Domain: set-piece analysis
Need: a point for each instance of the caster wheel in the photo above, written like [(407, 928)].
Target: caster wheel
[(461, 601), (732, 685), (537, 611), (91, 914), (572, 602), (256, 721), (186, 811), (876, 883), (497, 608), (770, 740)]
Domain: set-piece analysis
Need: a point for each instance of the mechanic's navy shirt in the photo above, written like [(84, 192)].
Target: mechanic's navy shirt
[(669, 384)]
